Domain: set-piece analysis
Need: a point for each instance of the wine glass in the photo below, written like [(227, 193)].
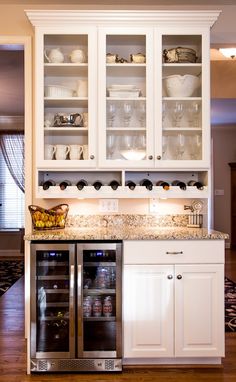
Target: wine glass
[(194, 113), (195, 146), (180, 146), (141, 112), (164, 111), (127, 112), (110, 146), (164, 145), (111, 113), (177, 114)]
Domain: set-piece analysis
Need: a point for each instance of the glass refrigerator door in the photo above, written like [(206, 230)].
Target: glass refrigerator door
[(100, 300), (53, 315)]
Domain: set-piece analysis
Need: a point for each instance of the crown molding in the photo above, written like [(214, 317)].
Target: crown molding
[(50, 18)]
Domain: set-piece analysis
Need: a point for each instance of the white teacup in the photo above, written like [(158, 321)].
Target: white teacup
[(76, 151), (85, 152), (49, 151), (62, 152)]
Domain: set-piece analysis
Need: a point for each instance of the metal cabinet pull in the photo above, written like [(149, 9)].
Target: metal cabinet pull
[(92, 156), (170, 277), (174, 253), (150, 157), (179, 277), (159, 157)]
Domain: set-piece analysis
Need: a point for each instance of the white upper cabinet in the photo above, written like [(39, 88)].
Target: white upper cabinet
[(66, 97)]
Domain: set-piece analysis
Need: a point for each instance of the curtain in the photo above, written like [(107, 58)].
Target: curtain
[(13, 149)]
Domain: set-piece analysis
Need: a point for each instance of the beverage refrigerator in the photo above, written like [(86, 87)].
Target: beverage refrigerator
[(76, 306)]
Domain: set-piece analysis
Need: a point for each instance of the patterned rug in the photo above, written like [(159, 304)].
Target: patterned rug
[(10, 272), (230, 305)]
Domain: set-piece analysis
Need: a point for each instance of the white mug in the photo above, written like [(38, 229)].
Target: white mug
[(82, 88), (76, 151), (62, 151), (49, 151), (85, 152)]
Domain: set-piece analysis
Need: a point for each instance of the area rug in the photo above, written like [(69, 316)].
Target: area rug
[(230, 305), (10, 272)]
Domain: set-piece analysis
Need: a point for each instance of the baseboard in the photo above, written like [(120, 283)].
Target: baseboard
[(10, 253)]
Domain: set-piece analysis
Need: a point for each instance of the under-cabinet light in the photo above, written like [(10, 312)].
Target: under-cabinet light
[(228, 52)]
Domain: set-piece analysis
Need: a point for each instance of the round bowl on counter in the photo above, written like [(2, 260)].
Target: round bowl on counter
[(181, 86)]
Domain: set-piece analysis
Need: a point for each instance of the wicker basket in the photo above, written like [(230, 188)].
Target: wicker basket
[(54, 218)]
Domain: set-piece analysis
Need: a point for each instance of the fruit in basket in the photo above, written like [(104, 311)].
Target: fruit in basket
[(46, 219)]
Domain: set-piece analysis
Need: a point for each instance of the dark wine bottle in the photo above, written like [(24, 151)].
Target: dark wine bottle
[(163, 184), (114, 184), (146, 183), (81, 184), (64, 184), (48, 183), (179, 184), (130, 184), (197, 184), (97, 185)]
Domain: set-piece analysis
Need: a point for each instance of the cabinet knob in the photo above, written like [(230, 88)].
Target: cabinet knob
[(179, 277), (158, 157), (170, 277), (92, 156), (150, 157)]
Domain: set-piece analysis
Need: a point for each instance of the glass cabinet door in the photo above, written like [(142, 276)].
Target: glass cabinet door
[(52, 315), (125, 98), (68, 85), (182, 91), (100, 300)]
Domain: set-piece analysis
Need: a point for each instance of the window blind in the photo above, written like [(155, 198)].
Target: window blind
[(11, 199)]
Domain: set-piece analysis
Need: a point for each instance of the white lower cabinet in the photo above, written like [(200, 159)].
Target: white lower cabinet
[(174, 311)]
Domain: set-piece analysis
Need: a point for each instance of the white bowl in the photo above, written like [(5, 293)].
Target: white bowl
[(133, 154), (181, 86)]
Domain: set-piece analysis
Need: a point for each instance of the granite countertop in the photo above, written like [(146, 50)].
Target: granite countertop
[(128, 233)]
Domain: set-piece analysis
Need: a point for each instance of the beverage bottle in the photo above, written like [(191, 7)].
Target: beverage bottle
[(179, 184), (146, 183), (107, 307), (114, 184), (97, 185), (48, 183), (97, 307), (130, 184), (163, 184), (81, 184), (64, 184), (199, 185)]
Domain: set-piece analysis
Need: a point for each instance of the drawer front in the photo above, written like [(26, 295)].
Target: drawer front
[(173, 251)]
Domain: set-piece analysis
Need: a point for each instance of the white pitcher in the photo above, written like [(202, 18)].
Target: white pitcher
[(55, 56), (78, 56)]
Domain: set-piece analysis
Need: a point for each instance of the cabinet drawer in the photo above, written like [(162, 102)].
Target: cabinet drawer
[(173, 251)]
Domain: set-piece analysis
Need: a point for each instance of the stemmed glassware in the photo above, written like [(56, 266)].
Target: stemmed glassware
[(195, 146), (127, 112), (180, 146), (111, 113), (111, 145), (164, 111), (194, 114), (177, 114), (164, 145), (141, 112)]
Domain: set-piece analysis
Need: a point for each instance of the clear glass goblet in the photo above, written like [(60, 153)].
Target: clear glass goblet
[(127, 113), (180, 146), (177, 114), (164, 145), (194, 114), (141, 112), (111, 113)]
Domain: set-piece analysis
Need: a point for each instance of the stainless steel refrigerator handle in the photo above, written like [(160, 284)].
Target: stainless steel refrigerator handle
[(79, 311), (72, 288)]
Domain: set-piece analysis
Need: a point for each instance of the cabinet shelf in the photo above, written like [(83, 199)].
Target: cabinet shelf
[(66, 69), (177, 129), (66, 102), (182, 98)]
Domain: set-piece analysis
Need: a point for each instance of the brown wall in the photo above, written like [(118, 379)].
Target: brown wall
[(223, 76)]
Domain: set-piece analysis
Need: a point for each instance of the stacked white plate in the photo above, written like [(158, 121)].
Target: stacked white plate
[(123, 91)]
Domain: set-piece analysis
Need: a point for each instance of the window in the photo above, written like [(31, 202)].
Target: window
[(11, 199)]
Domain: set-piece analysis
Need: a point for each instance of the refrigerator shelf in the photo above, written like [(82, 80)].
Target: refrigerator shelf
[(56, 291), (102, 318), (93, 292), (53, 277), (100, 264)]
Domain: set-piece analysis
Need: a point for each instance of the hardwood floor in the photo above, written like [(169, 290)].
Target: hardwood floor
[(13, 350)]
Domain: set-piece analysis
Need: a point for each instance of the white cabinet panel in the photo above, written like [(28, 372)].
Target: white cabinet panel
[(148, 311)]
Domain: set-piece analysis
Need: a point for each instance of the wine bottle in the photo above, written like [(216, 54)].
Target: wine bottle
[(114, 184), (48, 183), (130, 184), (179, 184), (163, 184), (64, 184), (81, 184), (146, 183), (97, 185), (194, 183)]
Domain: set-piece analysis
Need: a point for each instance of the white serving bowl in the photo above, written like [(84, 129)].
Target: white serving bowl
[(181, 86), (58, 91), (133, 154)]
